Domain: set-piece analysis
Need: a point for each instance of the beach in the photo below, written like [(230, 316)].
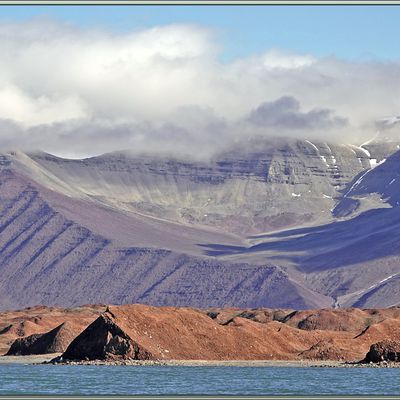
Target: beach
[(46, 359)]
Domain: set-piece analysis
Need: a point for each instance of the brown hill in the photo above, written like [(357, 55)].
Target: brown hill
[(168, 333), (40, 319), (54, 341), (143, 332)]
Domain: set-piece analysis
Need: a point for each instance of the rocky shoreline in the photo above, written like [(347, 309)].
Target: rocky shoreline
[(233, 363), (47, 360)]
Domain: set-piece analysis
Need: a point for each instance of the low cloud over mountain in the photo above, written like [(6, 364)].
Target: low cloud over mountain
[(285, 113), (77, 92)]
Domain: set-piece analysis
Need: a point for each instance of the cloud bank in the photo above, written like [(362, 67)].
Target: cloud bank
[(78, 92)]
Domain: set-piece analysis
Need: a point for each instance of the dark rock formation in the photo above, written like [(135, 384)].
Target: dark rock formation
[(54, 341), (263, 315), (386, 350), (5, 329), (104, 340)]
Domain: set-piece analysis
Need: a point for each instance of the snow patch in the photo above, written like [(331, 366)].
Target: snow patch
[(349, 147), (317, 150), (370, 140), (386, 279), (363, 175), (324, 160), (313, 145), (358, 292), (381, 162), (365, 151), (357, 182)]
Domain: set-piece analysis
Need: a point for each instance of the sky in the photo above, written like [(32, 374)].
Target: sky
[(350, 32), (82, 80)]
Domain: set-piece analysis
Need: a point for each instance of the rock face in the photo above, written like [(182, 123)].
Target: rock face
[(55, 341), (267, 185), (386, 350), (103, 339)]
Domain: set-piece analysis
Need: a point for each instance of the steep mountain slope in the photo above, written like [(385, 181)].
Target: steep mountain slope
[(46, 258), (354, 261), (120, 228), (380, 181)]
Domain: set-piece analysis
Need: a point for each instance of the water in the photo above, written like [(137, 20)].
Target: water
[(171, 380)]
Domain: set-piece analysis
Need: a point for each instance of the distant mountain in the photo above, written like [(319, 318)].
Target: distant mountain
[(278, 223)]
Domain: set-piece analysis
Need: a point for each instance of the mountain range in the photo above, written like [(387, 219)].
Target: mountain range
[(276, 222)]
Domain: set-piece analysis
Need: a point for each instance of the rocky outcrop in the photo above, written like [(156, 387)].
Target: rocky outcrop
[(104, 340), (386, 350), (261, 315), (55, 341)]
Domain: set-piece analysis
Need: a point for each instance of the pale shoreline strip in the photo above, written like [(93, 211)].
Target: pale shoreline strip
[(45, 358)]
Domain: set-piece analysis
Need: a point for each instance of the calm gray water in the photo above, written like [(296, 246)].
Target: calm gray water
[(68, 379)]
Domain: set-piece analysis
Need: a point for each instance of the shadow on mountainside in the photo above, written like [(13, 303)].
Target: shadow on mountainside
[(371, 235)]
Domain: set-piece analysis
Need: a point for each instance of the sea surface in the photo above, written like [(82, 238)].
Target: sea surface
[(173, 380)]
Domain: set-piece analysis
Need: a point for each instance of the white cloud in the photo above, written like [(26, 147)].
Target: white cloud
[(28, 110), (278, 59), (88, 91)]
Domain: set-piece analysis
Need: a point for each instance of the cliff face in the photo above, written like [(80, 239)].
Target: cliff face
[(282, 223), (277, 184)]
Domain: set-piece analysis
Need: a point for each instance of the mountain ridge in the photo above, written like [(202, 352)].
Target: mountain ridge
[(259, 224)]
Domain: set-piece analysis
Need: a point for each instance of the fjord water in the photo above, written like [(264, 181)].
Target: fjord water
[(171, 380)]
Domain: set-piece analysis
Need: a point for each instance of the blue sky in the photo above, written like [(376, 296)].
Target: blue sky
[(351, 32)]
